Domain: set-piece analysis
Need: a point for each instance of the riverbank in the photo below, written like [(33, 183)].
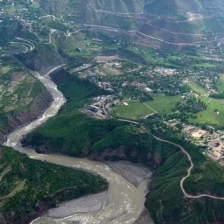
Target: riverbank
[(39, 186), (125, 201), (135, 174), (88, 203), (35, 102)]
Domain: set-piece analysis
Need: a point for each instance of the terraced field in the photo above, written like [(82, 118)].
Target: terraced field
[(18, 87)]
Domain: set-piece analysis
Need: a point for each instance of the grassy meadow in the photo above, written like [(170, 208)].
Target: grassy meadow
[(163, 104), (210, 115), (220, 85), (133, 110), (196, 88)]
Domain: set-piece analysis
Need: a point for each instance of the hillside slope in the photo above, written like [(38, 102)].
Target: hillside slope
[(164, 22), (23, 98)]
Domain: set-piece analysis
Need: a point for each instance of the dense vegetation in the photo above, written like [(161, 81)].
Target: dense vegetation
[(166, 202), (113, 140), (217, 95), (191, 105), (80, 135), (28, 188), (162, 28)]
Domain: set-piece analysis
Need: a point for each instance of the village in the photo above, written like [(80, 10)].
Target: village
[(107, 74), (212, 141)]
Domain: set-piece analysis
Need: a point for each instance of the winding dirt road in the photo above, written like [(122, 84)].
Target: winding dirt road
[(188, 170), (188, 173), (188, 157), (141, 35)]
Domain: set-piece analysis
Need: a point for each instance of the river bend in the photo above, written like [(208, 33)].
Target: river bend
[(124, 201)]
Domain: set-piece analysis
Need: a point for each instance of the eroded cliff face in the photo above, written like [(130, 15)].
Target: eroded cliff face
[(16, 119), (23, 97)]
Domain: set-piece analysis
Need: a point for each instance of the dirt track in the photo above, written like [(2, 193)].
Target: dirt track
[(188, 173)]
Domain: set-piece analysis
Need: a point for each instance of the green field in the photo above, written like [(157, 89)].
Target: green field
[(79, 45), (221, 83), (18, 87), (213, 105), (163, 104), (196, 88), (205, 65), (132, 111), (210, 115)]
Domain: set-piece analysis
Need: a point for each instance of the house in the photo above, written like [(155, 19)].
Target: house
[(92, 109), (214, 144)]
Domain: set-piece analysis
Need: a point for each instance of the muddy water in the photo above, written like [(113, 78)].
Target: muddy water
[(124, 202)]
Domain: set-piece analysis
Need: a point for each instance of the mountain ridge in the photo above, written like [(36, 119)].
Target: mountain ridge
[(175, 21)]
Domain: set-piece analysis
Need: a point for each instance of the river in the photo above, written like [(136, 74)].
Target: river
[(123, 203)]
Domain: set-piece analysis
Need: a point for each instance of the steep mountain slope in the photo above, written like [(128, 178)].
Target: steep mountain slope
[(153, 22), (175, 22), (186, 17), (181, 7), (61, 31), (93, 12), (23, 97), (174, 7)]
